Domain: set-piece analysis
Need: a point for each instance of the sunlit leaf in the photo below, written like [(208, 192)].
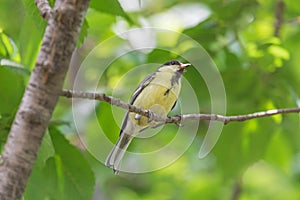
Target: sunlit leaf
[(109, 6), (279, 52), (8, 48), (14, 67), (63, 169), (31, 34)]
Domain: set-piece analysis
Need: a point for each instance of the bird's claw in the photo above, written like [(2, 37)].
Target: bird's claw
[(150, 118), (179, 124)]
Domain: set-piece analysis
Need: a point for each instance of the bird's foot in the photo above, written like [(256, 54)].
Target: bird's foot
[(179, 124), (150, 117)]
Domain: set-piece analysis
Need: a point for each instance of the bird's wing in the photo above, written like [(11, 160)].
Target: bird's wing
[(142, 85), (140, 88), (174, 105)]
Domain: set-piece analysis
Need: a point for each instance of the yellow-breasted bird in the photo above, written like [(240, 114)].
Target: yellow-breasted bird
[(158, 92)]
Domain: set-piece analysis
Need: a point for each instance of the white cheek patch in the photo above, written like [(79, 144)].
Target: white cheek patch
[(169, 68)]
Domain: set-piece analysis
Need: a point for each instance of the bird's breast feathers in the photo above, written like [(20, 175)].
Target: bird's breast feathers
[(159, 96)]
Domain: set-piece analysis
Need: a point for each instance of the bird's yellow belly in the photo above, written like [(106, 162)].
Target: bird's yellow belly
[(156, 98)]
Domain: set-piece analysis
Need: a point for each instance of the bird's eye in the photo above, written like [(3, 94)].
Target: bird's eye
[(174, 62)]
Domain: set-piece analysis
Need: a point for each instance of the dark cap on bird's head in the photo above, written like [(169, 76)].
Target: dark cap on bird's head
[(176, 65)]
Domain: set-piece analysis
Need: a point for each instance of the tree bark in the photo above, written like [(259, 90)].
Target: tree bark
[(40, 96)]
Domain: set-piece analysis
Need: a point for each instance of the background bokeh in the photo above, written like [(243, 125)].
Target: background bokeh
[(255, 46)]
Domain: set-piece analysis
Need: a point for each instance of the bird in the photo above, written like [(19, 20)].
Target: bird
[(157, 93)]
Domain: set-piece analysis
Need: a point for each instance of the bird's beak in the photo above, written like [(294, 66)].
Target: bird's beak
[(183, 66)]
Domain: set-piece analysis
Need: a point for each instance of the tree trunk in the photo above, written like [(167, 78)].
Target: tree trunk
[(40, 96)]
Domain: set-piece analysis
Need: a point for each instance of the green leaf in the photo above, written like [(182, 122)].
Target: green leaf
[(159, 56), (106, 120), (31, 34), (39, 176), (11, 91), (109, 6), (29, 46), (36, 189), (11, 17), (206, 33), (232, 59), (278, 51), (8, 48), (14, 67), (63, 169), (279, 151), (33, 13), (5, 123), (77, 174), (83, 33)]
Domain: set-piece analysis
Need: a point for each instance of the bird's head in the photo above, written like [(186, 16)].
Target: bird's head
[(173, 66)]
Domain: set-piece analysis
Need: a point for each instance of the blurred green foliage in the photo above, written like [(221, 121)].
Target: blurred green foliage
[(257, 159)]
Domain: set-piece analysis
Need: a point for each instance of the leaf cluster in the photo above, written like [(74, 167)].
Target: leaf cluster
[(260, 71)]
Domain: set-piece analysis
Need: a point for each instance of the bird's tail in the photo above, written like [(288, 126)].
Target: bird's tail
[(114, 158)]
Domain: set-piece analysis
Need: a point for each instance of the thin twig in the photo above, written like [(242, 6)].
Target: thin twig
[(279, 17), (177, 118), (44, 8), (227, 119), (237, 189), (113, 101)]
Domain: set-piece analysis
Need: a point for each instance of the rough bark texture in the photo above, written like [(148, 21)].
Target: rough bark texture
[(40, 97)]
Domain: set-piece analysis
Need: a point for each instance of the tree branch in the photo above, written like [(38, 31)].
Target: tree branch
[(178, 118), (113, 101), (279, 16), (41, 95), (44, 8), (237, 189)]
